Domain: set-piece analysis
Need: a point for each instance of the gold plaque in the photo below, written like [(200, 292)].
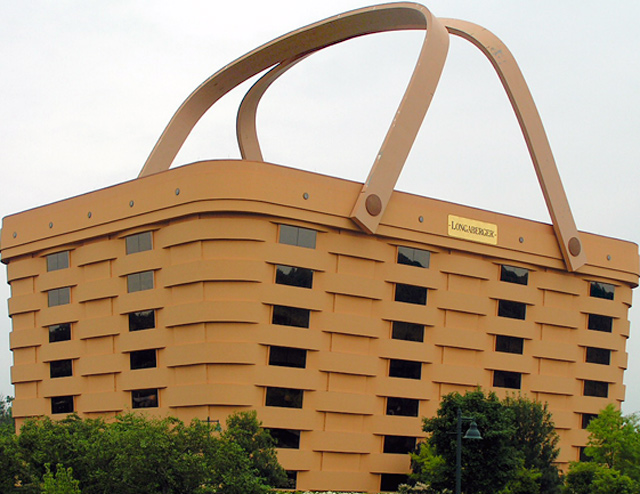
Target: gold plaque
[(476, 231)]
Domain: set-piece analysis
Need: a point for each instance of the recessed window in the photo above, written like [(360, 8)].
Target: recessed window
[(62, 404), (600, 356), (512, 274), (411, 294), (286, 438), (59, 296), (413, 257), (509, 344), (139, 242), (600, 323), (406, 369), (144, 398), (505, 379), (292, 479), (601, 290), (390, 482), (599, 389), (407, 331), (296, 235), (284, 397), (292, 276), (404, 407), (143, 359), (59, 332), (582, 455), (587, 418), (290, 316), (59, 260), (287, 357), (513, 310), (399, 445), (60, 368), (144, 319), (138, 282)]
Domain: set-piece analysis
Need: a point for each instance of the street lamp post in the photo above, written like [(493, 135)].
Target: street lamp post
[(472, 433)]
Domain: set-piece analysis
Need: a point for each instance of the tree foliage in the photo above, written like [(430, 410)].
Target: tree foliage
[(60, 483)]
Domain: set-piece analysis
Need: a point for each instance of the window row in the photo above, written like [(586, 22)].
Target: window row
[(140, 359), (145, 319), (140, 398)]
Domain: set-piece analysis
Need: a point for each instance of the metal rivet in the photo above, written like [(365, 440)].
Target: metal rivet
[(177, 192), (15, 234), (373, 203), (305, 196), (130, 204), (521, 239), (575, 247), (608, 257), (89, 214), (51, 224), (421, 219)]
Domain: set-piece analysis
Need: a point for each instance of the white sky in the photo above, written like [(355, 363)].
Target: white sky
[(87, 87)]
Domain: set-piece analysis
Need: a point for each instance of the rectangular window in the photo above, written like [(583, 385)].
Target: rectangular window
[(138, 282), (144, 398), (413, 257), (404, 407), (406, 369), (59, 332), (598, 356), (292, 276), (399, 445), (143, 359), (60, 368), (407, 331), (284, 397), (511, 274), (509, 344), (144, 319), (59, 260), (59, 296), (292, 479), (286, 438), (505, 379), (601, 290), (390, 482), (287, 357), (61, 404), (600, 323), (411, 294), (290, 316), (587, 418), (599, 389), (296, 235), (139, 242), (513, 310)]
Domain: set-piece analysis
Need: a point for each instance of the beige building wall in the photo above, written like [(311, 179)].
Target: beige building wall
[(340, 356)]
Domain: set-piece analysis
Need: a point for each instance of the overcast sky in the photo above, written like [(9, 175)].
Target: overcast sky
[(86, 88)]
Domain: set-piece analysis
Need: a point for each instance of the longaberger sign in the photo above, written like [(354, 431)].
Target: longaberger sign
[(476, 231)]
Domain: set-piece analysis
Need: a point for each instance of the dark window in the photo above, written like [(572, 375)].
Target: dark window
[(287, 357), (295, 235), (407, 331), (582, 456), (599, 389), (511, 274), (59, 260), (587, 418), (289, 275), (60, 368), (411, 294), (399, 444), (389, 482), (514, 310), (144, 319), (413, 257), (59, 296), (602, 290), (286, 438), (509, 344), (138, 282), (505, 379), (600, 323), (144, 398), (59, 332), (598, 356), (284, 397), (139, 242), (290, 316), (292, 479), (406, 369), (405, 407), (143, 359), (62, 404)]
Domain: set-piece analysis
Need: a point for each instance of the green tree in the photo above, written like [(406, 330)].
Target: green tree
[(62, 483), (595, 478), (6, 416), (11, 466)]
